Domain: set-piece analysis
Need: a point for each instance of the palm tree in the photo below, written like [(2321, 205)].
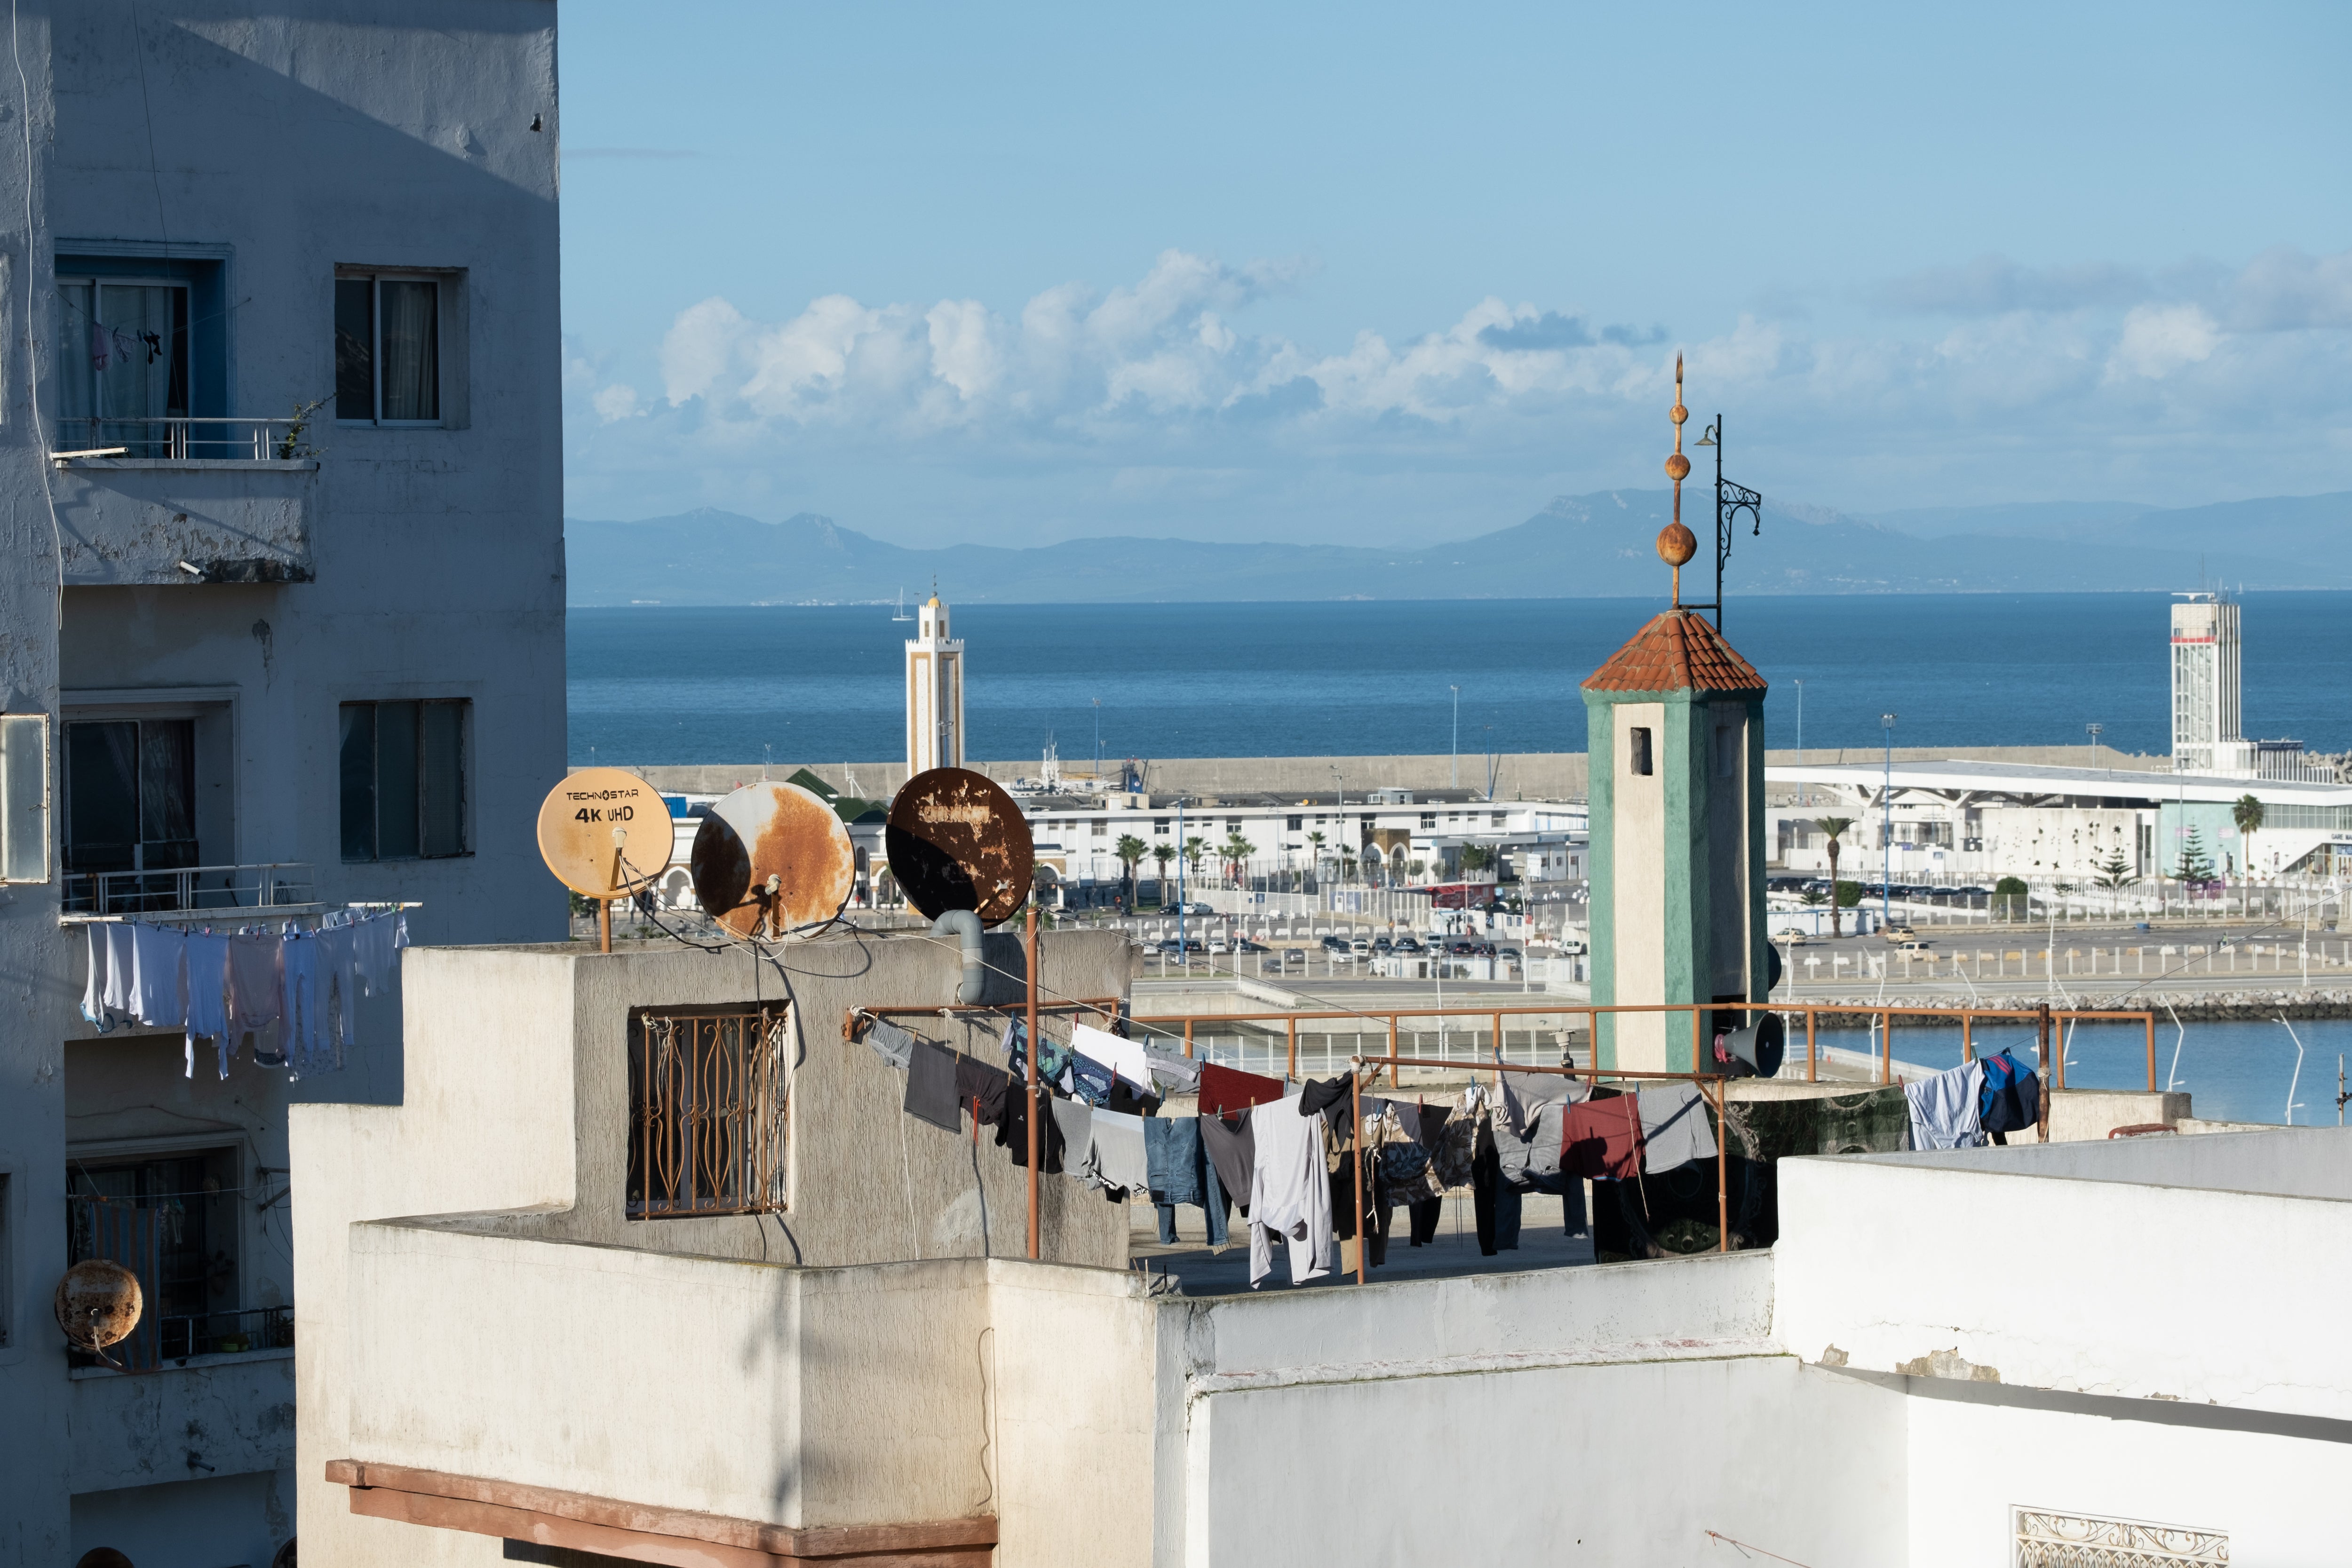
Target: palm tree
[(1163, 853), (1315, 848), (2247, 812), (1130, 850), (1236, 851), (1194, 847), (1833, 826)]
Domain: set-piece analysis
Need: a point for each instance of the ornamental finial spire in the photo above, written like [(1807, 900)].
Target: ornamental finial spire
[(1677, 544)]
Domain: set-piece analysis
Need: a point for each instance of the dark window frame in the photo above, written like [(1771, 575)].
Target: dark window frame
[(359, 387), (367, 770), (1641, 762)]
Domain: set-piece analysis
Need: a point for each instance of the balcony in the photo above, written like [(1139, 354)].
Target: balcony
[(183, 501), (278, 888)]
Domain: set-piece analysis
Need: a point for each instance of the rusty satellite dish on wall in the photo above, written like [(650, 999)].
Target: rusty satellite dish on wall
[(957, 841), (98, 1303), (605, 833), (772, 860)]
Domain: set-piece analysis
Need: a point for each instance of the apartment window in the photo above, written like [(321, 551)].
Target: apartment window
[(123, 364), (173, 1220), (1429, 819), (1296, 823), (23, 798), (1639, 761), (404, 779), (388, 349), (1102, 827), (131, 795), (1160, 824)]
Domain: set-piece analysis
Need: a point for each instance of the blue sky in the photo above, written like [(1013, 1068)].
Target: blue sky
[(1371, 274)]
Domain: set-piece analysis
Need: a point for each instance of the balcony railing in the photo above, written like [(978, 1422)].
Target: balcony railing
[(189, 890), (182, 439)]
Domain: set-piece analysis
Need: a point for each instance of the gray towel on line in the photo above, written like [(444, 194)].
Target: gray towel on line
[(891, 1042), (1676, 1127), (931, 1086)]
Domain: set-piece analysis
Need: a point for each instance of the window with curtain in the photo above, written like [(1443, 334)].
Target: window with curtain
[(404, 779), (131, 794), (122, 363), (388, 349)]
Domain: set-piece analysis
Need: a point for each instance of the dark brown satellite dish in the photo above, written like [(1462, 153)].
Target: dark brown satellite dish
[(98, 1303), (959, 842), (772, 860)]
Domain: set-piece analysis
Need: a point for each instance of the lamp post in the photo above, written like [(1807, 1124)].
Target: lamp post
[(1099, 740), (1338, 821), (1886, 830), (2093, 730), (1802, 796)]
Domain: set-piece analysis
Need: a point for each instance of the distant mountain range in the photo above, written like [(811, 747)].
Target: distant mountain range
[(1593, 546)]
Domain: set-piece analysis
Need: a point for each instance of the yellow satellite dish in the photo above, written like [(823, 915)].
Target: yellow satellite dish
[(605, 833)]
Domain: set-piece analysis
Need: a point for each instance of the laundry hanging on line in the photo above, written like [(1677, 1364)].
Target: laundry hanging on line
[(286, 996)]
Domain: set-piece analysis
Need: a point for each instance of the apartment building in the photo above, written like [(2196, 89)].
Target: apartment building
[(281, 621)]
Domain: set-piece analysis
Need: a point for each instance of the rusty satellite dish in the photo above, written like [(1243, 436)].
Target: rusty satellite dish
[(98, 1303), (772, 860), (605, 833), (959, 842)]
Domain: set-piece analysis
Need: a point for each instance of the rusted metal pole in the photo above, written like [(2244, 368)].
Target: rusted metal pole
[(1885, 1047), (1695, 1027), (1393, 1046), (1813, 1069), (1291, 1057), (1967, 1039), (604, 923), (1356, 1173), (1722, 1166), (1030, 1066), (2149, 1020), (1188, 1037), (1498, 1037)]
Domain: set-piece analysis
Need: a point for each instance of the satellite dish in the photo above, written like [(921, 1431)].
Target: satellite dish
[(98, 1303), (772, 859), (605, 833), (957, 841)]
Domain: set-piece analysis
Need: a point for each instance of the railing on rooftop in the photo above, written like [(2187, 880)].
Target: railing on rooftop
[(189, 890), (181, 440), (707, 1111)]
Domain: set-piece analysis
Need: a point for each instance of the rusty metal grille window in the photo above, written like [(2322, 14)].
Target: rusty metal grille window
[(2050, 1540), (708, 1103)]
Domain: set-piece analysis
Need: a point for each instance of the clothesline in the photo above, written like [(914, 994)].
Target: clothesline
[(285, 995), (1103, 1091)]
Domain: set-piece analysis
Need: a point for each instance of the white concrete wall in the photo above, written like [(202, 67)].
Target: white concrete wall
[(1638, 850), (2279, 1498), (1604, 1414), (1883, 1264)]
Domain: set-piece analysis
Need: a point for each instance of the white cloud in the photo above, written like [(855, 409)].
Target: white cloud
[(615, 402), (1183, 371), (2160, 339)]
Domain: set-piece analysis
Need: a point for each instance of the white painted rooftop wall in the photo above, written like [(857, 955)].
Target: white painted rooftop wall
[(2109, 1287)]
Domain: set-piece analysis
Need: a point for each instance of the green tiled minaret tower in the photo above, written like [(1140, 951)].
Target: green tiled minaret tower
[(1675, 721)]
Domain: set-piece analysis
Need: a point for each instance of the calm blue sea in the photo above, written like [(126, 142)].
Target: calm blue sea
[(2233, 1072), (822, 683)]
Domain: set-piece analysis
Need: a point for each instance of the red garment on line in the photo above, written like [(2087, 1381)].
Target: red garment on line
[(1225, 1092), (1601, 1139)]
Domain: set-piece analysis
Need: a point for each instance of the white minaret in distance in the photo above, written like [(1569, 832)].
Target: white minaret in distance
[(2205, 734), (934, 692)]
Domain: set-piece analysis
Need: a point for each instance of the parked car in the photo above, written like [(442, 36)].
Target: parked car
[(1196, 908), (1244, 944), (1219, 944), (1901, 933), (1334, 944), (1384, 946), (1360, 948), (1464, 950), (1175, 949), (1407, 944)]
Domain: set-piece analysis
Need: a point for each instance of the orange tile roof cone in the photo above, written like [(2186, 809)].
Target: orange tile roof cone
[(1676, 736)]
